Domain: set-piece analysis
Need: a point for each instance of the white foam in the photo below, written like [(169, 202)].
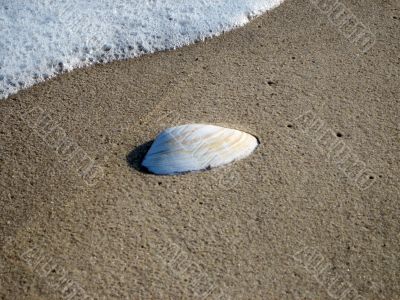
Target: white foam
[(40, 38)]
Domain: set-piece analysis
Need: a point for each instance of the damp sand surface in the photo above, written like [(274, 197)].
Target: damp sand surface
[(292, 221)]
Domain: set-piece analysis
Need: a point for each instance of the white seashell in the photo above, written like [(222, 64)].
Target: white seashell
[(195, 147)]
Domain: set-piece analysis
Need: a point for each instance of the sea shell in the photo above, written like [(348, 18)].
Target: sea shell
[(196, 147)]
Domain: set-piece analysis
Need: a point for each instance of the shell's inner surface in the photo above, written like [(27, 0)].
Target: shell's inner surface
[(196, 147)]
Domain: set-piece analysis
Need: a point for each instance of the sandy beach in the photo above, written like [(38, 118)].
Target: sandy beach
[(313, 213)]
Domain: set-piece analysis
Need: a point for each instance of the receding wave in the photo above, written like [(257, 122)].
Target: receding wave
[(41, 38)]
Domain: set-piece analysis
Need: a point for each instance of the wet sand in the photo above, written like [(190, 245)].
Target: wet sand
[(312, 214)]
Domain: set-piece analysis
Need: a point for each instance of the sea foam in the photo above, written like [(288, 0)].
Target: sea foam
[(41, 38)]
